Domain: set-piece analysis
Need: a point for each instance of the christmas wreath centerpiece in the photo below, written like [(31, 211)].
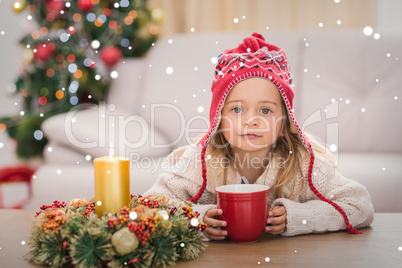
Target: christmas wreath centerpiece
[(151, 233)]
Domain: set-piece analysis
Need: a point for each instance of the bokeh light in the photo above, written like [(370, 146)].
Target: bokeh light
[(71, 58), (59, 94), (42, 100), (50, 72), (128, 20), (74, 100), (112, 24), (35, 35), (44, 91), (78, 74), (38, 135), (77, 17), (154, 29), (44, 31), (107, 12), (133, 14)]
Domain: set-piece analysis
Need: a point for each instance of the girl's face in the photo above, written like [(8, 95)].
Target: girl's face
[(252, 115)]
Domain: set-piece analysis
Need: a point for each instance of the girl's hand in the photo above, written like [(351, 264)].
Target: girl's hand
[(277, 220), (211, 232)]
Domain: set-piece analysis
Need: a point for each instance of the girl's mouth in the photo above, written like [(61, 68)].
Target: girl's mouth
[(251, 136)]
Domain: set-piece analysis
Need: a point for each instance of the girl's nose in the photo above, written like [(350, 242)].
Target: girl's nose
[(252, 120)]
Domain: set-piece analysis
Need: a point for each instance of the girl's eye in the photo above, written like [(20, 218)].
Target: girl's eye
[(266, 111), (237, 110)]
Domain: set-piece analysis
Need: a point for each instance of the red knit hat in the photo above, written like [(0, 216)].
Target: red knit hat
[(255, 58)]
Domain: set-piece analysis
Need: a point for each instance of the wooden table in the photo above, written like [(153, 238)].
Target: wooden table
[(379, 246)]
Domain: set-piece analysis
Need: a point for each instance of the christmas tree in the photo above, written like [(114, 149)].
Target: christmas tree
[(70, 56)]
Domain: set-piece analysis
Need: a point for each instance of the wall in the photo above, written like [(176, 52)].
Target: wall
[(389, 16), (257, 15)]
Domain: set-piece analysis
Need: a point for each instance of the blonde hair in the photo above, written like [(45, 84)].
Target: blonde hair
[(286, 153)]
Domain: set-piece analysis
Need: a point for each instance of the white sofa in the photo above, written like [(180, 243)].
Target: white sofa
[(162, 101)]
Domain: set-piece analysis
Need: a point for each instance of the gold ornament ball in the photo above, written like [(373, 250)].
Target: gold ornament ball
[(18, 6), (73, 202), (28, 55), (124, 241), (158, 15), (166, 225)]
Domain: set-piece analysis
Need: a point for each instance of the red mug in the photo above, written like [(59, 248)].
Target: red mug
[(245, 210)]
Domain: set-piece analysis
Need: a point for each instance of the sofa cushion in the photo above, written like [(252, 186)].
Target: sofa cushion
[(91, 131), (380, 173), (125, 88), (57, 154)]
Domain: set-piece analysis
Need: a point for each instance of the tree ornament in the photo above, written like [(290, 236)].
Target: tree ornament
[(43, 52), (28, 55), (18, 6), (74, 202), (158, 15), (166, 225), (55, 8), (124, 241), (110, 56), (84, 5)]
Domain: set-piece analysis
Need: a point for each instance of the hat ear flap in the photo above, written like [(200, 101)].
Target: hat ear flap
[(204, 176)]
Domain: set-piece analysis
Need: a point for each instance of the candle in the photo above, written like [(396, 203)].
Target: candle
[(112, 184)]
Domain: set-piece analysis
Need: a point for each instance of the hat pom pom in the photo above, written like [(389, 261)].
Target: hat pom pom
[(259, 36), (253, 43)]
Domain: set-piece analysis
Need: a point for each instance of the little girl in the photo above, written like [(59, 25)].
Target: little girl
[(254, 138)]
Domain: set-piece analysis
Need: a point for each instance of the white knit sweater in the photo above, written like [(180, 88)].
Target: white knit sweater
[(306, 214)]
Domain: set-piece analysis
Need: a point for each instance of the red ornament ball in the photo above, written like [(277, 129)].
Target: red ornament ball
[(84, 5), (110, 56), (55, 7), (43, 52)]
